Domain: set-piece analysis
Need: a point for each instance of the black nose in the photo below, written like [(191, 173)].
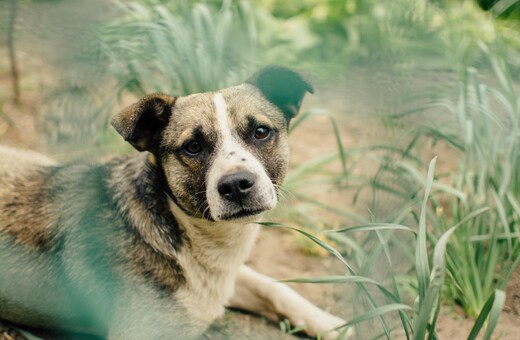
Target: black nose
[(236, 187)]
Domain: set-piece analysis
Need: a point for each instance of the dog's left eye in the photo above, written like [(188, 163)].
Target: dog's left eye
[(192, 147), (262, 132)]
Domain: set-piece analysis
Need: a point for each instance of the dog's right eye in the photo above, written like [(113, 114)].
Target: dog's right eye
[(192, 147)]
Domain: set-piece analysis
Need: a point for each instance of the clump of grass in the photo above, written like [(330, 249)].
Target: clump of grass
[(419, 321), (187, 50), (482, 128)]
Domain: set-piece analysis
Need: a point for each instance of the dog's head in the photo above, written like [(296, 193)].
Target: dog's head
[(223, 153)]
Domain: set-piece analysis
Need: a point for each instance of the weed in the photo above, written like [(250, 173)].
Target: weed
[(483, 129), (194, 49), (422, 322)]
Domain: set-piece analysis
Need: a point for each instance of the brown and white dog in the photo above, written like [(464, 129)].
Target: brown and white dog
[(152, 246)]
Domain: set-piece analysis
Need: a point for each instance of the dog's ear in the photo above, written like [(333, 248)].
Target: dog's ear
[(141, 122), (283, 87)]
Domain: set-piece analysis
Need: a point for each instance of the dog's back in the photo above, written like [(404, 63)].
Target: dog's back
[(35, 251), (23, 206), (25, 224), (68, 242)]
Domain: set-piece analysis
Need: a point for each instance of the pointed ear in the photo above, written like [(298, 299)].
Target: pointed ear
[(283, 87), (141, 123)]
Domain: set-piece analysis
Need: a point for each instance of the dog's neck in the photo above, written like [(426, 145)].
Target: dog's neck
[(136, 183), (223, 244)]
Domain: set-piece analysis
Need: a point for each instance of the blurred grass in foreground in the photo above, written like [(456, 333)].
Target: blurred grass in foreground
[(420, 321)]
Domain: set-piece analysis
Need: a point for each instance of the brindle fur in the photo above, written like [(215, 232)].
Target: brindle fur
[(129, 248)]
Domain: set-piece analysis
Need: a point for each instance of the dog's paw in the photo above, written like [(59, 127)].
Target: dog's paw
[(322, 324)]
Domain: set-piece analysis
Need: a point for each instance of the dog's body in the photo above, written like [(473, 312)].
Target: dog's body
[(151, 245)]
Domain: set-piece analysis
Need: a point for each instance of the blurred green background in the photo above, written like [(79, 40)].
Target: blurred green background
[(88, 54)]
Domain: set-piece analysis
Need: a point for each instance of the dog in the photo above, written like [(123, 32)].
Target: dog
[(153, 245)]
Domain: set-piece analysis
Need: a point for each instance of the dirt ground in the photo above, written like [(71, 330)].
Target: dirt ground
[(276, 254)]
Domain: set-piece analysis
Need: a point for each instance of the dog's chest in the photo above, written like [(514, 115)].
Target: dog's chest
[(210, 264)]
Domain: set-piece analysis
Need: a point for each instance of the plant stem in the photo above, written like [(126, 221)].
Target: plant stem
[(11, 51)]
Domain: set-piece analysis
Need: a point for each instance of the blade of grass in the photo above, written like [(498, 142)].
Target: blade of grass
[(437, 282), (338, 279), (421, 256), (375, 312), (492, 309), (316, 240), (339, 143), (371, 227)]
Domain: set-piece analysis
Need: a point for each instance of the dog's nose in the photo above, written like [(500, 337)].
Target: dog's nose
[(237, 186)]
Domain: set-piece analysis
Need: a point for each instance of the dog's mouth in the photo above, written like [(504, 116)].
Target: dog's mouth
[(240, 214)]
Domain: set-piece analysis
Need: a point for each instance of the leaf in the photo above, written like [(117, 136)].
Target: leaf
[(376, 312), (421, 255), (313, 238), (427, 305), (492, 308), (372, 227), (337, 279), (342, 154)]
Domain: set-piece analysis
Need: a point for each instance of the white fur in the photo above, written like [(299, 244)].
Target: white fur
[(219, 248), (233, 157), (261, 294)]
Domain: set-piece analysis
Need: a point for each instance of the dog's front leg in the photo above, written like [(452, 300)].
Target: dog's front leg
[(262, 295)]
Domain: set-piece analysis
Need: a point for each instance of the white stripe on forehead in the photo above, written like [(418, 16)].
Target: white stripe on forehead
[(222, 117)]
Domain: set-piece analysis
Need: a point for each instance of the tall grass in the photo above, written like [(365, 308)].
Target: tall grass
[(189, 49), (482, 127), (419, 321)]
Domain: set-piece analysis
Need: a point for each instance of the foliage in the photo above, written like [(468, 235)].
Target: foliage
[(194, 49), (482, 127), (430, 282)]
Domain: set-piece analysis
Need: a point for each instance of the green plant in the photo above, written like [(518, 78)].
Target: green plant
[(430, 282), (187, 50), (481, 127)]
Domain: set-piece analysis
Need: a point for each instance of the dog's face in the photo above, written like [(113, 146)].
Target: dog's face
[(223, 153)]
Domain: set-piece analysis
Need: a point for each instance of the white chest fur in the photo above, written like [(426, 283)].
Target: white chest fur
[(211, 262)]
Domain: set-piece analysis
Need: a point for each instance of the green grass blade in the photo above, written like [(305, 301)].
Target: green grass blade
[(334, 279), (311, 166), (492, 308), (501, 210), (422, 320), (431, 299), (383, 239), (302, 117), (316, 240), (339, 279), (337, 211), (494, 315), (339, 142), (421, 255), (372, 227), (376, 312)]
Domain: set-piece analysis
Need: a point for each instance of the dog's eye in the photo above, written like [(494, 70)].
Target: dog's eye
[(192, 147), (262, 132)]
